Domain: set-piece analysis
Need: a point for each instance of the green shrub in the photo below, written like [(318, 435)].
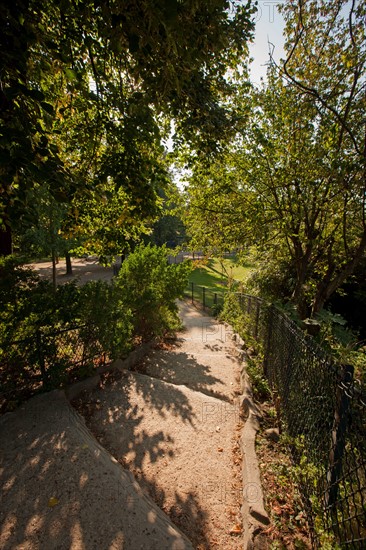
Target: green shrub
[(98, 307), (232, 312), (341, 342), (148, 287), (49, 335), (260, 385)]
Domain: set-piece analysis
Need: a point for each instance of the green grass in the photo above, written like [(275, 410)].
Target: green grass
[(214, 275)]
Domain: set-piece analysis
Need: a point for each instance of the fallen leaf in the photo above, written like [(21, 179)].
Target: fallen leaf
[(236, 530)]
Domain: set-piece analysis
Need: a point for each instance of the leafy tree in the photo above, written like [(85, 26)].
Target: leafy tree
[(169, 228), (39, 228), (216, 209), (106, 224), (86, 87), (333, 79), (293, 183)]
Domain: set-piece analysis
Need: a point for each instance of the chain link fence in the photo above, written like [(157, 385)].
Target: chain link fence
[(322, 410), (45, 360)]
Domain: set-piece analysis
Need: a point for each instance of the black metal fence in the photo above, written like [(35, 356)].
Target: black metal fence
[(209, 298), (47, 359), (322, 408)]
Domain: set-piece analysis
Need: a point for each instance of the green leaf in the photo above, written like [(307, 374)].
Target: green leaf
[(71, 74)]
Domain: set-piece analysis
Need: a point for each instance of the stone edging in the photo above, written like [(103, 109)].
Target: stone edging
[(255, 517), (73, 391)]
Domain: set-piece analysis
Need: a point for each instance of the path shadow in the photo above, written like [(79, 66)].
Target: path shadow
[(115, 414), (181, 369), (60, 488), (186, 513)]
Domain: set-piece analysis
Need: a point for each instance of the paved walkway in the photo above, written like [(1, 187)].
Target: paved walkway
[(61, 490), (175, 425)]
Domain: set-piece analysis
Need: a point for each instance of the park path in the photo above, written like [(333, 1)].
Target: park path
[(174, 423), (148, 459)]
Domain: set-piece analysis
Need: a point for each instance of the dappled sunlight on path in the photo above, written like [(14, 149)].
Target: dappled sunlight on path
[(60, 489), (174, 423)]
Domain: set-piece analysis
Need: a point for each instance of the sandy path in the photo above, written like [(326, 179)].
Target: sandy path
[(176, 428), (84, 269)]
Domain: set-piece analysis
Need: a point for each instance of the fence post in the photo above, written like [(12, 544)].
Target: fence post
[(192, 293), (267, 343), (40, 354), (338, 435), (256, 327), (204, 296)]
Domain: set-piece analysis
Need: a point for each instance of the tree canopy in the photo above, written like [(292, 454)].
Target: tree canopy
[(87, 89), (293, 182)]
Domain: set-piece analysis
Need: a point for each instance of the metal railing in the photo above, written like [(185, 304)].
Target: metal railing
[(209, 298), (322, 409), (47, 359)]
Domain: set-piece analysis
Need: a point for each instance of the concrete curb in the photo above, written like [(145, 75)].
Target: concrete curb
[(255, 517), (73, 391)]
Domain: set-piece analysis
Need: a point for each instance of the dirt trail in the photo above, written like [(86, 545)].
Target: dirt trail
[(84, 270), (175, 425)]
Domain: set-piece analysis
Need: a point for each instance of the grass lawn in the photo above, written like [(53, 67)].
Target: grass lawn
[(213, 275)]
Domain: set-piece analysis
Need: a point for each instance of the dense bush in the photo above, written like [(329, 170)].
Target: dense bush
[(44, 331), (147, 287), (234, 314), (273, 278), (29, 303)]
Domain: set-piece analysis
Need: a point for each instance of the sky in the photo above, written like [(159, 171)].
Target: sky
[(269, 25)]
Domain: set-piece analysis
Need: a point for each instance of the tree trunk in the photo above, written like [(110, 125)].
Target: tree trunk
[(327, 287), (6, 241), (68, 264), (54, 272), (302, 266)]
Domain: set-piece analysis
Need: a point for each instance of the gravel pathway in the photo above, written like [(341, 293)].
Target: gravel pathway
[(172, 425), (175, 425), (60, 490)]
